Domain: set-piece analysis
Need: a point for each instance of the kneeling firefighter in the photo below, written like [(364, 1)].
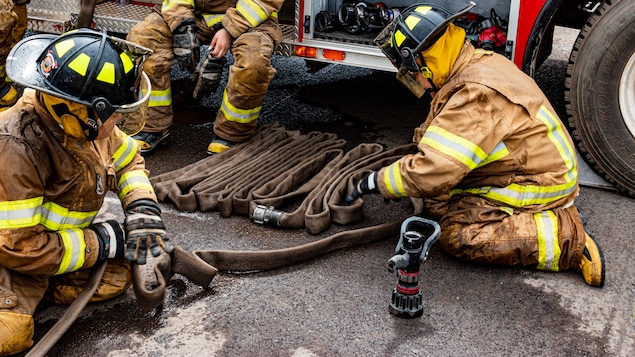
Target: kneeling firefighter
[(61, 152), (496, 167)]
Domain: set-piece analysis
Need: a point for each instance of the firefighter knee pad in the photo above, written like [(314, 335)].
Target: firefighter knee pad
[(16, 332), (64, 289)]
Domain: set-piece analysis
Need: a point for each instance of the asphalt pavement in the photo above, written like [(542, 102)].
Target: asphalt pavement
[(337, 304)]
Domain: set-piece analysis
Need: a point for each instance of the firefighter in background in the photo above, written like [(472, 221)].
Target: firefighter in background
[(12, 28), (61, 152), (246, 27), (495, 164)]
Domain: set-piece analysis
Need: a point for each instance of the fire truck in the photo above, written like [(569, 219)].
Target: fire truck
[(600, 78)]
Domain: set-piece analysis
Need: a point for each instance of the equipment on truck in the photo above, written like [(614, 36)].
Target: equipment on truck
[(599, 93)]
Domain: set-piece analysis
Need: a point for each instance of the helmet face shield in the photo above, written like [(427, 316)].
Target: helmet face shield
[(134, 114), (409, 79)]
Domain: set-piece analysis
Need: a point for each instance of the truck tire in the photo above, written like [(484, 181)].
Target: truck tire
[(600, 93)]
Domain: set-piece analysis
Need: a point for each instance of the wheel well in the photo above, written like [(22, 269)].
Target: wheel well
[(566, 13)]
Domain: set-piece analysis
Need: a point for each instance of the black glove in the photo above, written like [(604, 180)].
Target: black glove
[(143, 224), (111, 239), (187, 48), (368, 184), (208, 74)]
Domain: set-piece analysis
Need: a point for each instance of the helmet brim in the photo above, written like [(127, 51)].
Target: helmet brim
[(22, 62), (436, 33)]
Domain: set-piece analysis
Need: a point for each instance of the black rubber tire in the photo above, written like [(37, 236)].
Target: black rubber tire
[(598, 61)]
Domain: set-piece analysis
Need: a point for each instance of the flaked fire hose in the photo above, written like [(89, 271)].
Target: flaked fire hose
[(258, 179)]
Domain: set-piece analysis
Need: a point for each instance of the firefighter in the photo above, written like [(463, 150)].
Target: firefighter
[(246, 27), (61, 152), (495, 165), (12, 28)]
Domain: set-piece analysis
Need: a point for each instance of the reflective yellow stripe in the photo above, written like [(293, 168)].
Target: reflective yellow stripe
[(480, 50), (74, 251), (521, 195), (55, 217), (168, 4), (160, 98), (212, 19), (458, 148), (21, 213), (125, 153), (252, 12), (548, 246), (129, 181), (238, 115), (499, 152), (394, 181), (557, 136), (30, 212)]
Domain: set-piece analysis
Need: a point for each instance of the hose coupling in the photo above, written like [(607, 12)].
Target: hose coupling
[(267, 215)]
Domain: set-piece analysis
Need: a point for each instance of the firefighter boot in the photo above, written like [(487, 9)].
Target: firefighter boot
[(16, 332), (218, 145), (8, 96), (150, 141), (65, 288), (592, 264)]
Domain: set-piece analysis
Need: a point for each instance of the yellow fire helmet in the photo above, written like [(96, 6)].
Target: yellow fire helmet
[(85, 66)]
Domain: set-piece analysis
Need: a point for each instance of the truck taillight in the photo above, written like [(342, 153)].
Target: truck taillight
[(334, 55), (305, 51)]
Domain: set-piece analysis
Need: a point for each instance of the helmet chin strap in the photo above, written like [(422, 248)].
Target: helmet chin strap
[(74, 125)]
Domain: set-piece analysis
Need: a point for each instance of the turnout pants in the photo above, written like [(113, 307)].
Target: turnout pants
[(475, 229), (247, 83)]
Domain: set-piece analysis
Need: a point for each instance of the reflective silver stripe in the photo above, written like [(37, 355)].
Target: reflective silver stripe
[(21, 213), (519, 195), (394, 181), (30, 212), (129, 181), (458, 148), (74, 250), (212, 19), (556, 134), (238, 115), (548, 245), (252, 12), (161, 98), (125, 153), (55, 217), (499, 152)]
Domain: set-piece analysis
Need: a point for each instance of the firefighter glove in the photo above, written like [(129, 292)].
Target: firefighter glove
[(368, 184), (111, 239), (145, 227), (208, 74), (186, 45)]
